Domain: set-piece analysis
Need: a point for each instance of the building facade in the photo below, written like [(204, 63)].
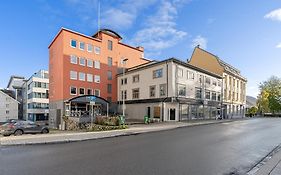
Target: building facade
[(234, 84), (16, 86), (8, 107), (170, 90), (86, 65), (36, 97)]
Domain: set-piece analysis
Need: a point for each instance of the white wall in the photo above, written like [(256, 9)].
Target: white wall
[(7, 103)]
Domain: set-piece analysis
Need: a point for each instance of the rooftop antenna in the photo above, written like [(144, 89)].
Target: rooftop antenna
[(98, 19)]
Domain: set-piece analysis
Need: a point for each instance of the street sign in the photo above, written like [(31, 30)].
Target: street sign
[(92, 102)]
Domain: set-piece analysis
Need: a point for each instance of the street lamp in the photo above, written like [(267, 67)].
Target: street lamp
[(124, 60)]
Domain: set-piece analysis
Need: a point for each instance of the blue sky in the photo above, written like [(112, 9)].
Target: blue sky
[(244, 33)]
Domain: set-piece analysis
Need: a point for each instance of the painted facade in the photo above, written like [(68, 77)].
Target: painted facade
[(234, 84), (170, 90), (8, 107), (86, 65)]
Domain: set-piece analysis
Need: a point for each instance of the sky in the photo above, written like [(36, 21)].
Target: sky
[(243, 33)]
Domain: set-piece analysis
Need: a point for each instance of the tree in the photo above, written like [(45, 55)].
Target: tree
[(252, 111), (269, 99)]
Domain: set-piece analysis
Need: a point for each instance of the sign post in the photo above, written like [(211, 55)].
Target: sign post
[(92, 103)]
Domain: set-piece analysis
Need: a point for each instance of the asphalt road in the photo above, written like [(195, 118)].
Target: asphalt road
[(227, 148)]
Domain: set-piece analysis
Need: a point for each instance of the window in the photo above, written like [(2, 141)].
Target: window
[(82, 91), (97, 79), (90, 48), (158, 73), (135, 93), (97, 50), (89, 92), (82, 45), (162, 89), (81, 76), (124, 95), (73, 75), (7, 105), (109, 45), (109, 61), (97, 92), (198, 92), (90, 63), (208, 95), (97, 64), (180, 72), (219, 83), (181, 90), (73, 90), (190, 75), (214, 96), (136, 78), (208, 80), (219, 97), (73, 59), (7, 112), (109, 75), (214, 83), (109, 88), (89, 77), (152, 90), (73, 43), (82, 61), (200, 78), (123, 81)]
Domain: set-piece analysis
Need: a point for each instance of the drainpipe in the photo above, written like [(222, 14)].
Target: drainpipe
[(167, 81)]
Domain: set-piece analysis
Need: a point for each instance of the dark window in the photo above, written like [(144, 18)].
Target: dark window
[(82, 91), (109, 45), (89, 91), (109, 75), (73, 90), (109, 88), (136, 78), (109, 61)]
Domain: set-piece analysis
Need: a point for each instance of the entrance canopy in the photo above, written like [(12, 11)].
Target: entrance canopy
[(88, 99)]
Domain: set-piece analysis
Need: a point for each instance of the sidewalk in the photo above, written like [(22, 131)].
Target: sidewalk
[(63, 137), (270, 165)]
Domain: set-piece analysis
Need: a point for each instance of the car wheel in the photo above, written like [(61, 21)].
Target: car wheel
[(45, 131), (18, 132)]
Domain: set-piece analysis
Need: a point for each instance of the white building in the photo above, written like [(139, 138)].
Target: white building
[(36, 105), (8, 107), (170, 90)]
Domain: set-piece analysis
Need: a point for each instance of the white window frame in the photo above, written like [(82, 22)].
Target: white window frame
[(73, 73), (90, 79), (79, 91), (75, 90), (90, 50), (73, 56), (82, 73), (71, 43), (97, 50), (89, 60), (97, 90), (97, 64), (82, 58), (80, 45), (97, 79)]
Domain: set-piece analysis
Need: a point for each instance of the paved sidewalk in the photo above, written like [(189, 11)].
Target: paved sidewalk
[(270, 165), (62, 137)]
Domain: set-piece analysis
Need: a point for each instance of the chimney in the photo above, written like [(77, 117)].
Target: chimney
[(140, 48)]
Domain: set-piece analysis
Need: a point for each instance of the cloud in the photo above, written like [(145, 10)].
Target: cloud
[(274, 15), (199, 40), (117, 19), (278, 46), (160, 30)]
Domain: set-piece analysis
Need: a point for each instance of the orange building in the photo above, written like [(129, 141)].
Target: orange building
[(81, 65)]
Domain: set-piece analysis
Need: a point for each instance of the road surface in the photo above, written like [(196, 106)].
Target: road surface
[(227, 148)]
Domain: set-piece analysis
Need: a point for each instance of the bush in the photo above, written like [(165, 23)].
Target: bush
[(105, 127), (108, 121)]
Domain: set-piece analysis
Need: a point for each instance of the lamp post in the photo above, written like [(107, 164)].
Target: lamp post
[(124, 60)]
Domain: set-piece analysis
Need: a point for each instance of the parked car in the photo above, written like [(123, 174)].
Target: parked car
[(23, 127)]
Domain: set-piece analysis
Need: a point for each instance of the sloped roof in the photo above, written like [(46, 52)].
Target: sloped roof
[(109, 32)]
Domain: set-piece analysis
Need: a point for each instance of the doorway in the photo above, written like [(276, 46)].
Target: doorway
[(172, 114)]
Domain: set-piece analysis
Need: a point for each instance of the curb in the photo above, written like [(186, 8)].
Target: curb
[(128, 133)]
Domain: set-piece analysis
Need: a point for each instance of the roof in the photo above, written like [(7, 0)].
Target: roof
[(109, 32), (155, 63), (13, 77), (227, 67), (71, 31), (9, 96)]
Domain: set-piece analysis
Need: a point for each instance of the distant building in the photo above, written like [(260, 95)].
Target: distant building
[(234, 84), (8, 107), (36, 97), (81, 65), (16, 86), (169, 90), (250, 102)]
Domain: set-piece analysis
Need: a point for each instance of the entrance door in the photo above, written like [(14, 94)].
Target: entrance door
[(172, 114), (148, 112)]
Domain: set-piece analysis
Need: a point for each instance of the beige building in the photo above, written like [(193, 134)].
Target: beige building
[(169, 90), (234, 84)]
